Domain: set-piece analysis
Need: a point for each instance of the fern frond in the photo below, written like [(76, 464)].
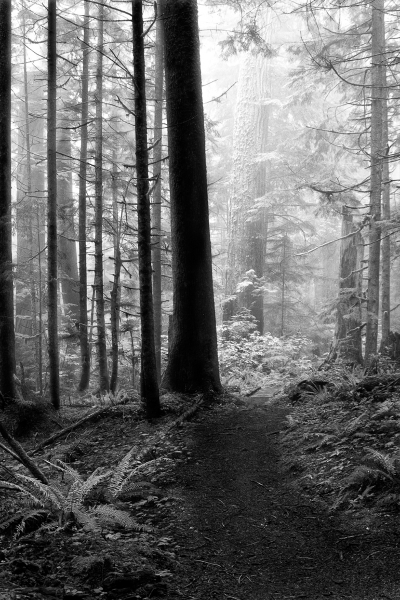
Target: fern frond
[(67, 470), (47, 493), (383, 461), (74, 496), (120, 473), (110, 516), (151, 465), (92, 482)]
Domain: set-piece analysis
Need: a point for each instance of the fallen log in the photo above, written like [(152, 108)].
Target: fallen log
[(94, 415), (22, 455)]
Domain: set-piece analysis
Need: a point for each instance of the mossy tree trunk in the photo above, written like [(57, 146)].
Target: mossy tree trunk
[(348, 346)]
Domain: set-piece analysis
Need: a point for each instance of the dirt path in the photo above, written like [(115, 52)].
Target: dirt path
[(245, 533)]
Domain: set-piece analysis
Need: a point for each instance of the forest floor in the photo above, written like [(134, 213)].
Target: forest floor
[(220, 512)]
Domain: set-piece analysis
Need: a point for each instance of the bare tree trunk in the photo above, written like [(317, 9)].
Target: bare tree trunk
[(7, 336), (149, 383), (52, 283), (156, 215), (98, 244), (67, 257), (385, 288), (377, 154), (116, 288), (193, 359), (83, 315)]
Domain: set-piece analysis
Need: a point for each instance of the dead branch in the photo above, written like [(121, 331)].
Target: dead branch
[(97, 413)]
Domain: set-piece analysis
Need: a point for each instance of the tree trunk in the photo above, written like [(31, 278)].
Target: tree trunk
[(149, 383), (67, 257), (247, 231), (377, 154), (52, 282), (157, 158), (193, 359), (348, 322), (83, 315), (7, 335), (116, 288), (98, 244), (385, 288)]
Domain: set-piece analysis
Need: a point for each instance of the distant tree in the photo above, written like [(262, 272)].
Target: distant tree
[(192, 358), (377, 159), (149, 381), (67, 257), (157, 196), (7, 336), (348, 344), (52, 271), (98, 244), (83, 316)]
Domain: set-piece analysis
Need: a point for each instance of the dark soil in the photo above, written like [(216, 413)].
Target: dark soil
[(247, 532), (229, 521)]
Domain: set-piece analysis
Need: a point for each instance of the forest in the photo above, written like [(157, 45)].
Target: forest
[(199, 299)]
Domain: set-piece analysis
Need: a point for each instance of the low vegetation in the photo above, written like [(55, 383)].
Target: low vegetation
[(343, 436)]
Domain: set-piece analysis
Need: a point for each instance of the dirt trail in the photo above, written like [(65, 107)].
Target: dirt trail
[(245, 533)]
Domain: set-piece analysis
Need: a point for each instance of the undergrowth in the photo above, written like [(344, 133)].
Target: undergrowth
[(343, 437), (90, 503), (248, 360)]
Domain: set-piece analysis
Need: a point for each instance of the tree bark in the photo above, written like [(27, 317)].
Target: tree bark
[(116, 288), (385, 288), (157, 196), (149, 383), (7, 335), (83, 315), (98, 244), (348, 322), (52, 281), (377, 154), (67, 257), (193, 359)]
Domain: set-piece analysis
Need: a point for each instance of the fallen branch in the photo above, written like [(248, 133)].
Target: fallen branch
[(253, 391), (76, 425), (22, 455)]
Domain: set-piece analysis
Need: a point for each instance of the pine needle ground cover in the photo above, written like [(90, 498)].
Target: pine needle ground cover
[(343, 441)]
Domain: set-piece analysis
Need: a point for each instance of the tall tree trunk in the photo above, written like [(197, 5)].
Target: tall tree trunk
[(52, 282), (348, 321), (98, 244), (67, 257), (247, 232), (385, 288), (149, 383), (157, 158), (83, 315), (193, 359), (7, 335), (34, 241), (377, 154), (116, 288)]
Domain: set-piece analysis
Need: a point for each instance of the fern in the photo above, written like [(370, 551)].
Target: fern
[(108, 515), (120, 473), (384, 462)]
